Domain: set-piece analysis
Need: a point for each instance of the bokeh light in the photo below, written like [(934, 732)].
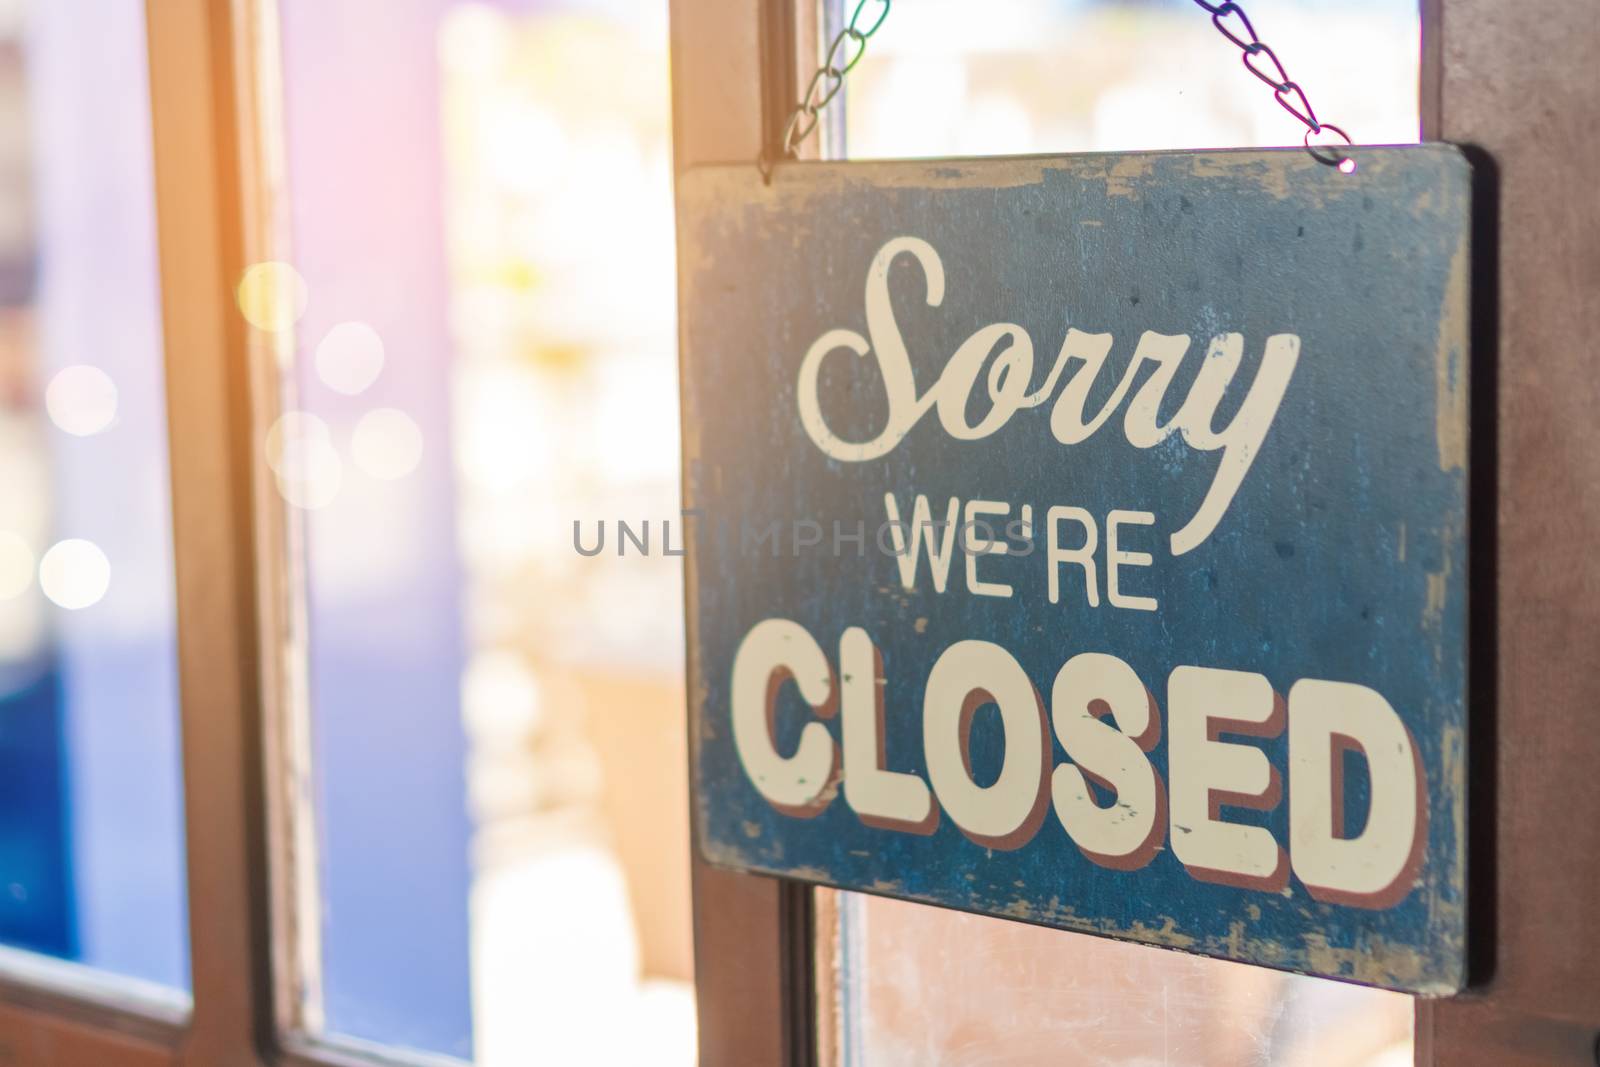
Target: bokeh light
[(16, 565), (350, 358), (75, 574), (293, 436), (81, 400), (317, 484), (299, 449), (500, 698), (387, 444), (272, 296)]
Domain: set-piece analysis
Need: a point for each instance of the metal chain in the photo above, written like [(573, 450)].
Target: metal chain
[(828, 80), (1228, 18), (1259, 59)]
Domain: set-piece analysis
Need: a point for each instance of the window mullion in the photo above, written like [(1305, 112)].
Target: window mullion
[(199, 205)]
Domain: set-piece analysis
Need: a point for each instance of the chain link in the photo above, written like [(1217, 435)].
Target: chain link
[(1259, 59), (848, 46), (1229, 18)]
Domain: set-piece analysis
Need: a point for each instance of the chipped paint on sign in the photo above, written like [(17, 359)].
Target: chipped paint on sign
[(1083, 541)]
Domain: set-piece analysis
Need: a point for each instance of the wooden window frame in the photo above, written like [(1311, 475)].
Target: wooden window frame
[(213, 97), (1509, 81)]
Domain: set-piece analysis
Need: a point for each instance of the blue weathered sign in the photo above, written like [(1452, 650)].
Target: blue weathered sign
[(1083, 540)]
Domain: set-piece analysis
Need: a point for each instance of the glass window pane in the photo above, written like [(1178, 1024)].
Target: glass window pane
[(912, 985), (91, 823), (943, 79), (478, 205), (904, 984)]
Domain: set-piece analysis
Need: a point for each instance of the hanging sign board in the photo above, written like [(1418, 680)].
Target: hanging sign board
[(1083, 540)]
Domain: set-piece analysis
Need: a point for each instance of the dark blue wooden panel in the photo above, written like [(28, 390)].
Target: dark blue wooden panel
[(1338, 557)]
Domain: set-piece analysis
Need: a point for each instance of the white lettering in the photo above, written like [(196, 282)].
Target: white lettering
[(1107, 795), (1207, 773), (968, 676), (881, 797), (977, 539), (1126, 834), (1008, 349), (1116, 558), (923, 531), (1376, 867), (773, 652), (1083, 555)]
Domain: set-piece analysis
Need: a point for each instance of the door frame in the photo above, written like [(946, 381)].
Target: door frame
[(735, 75), (1505, 79)]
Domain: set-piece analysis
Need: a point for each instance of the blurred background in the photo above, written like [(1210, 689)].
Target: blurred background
[(475, 315)]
